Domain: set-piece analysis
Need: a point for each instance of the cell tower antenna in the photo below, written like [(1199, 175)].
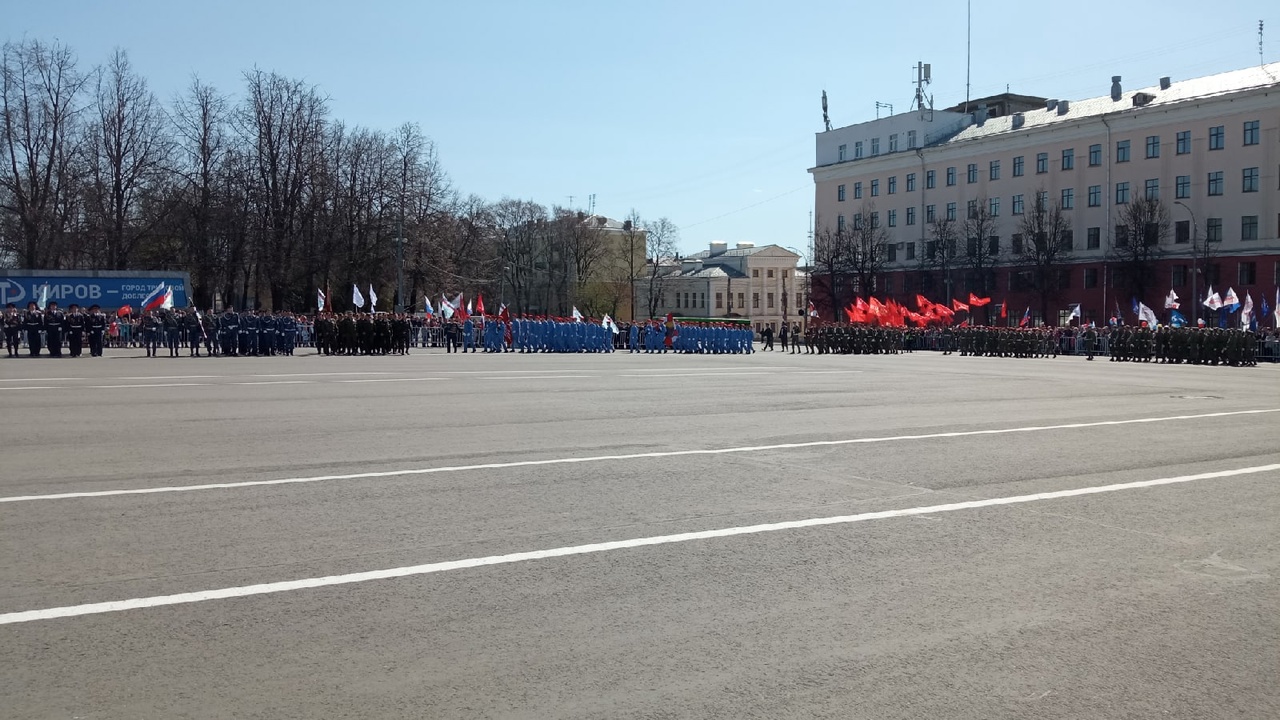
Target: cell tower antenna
[(591, 204), (883, 105), (1261, 61), (571, 202), (826, 119), (923, 102)]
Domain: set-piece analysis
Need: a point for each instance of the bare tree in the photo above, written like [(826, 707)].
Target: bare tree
[(1137, 246), (199, 118), (1041, 246), (982, 251), (831, 261), (634, 250), (866, 250), (519, 231), (40, 90), (662, 237), (941, 254)]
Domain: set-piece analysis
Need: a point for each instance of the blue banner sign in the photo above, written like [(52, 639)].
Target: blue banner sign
[(111, 293)]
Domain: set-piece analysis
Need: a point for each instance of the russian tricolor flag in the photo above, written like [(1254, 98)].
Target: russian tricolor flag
[(156, 299)]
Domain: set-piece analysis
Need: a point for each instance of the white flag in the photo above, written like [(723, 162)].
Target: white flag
[(167, 303), (446, 307), (1147, 315), (1075, 313), (1171, 301), (356, 298), (373, 298), (577, 316), (319, 299), (609, 323), (1246, 315), (43, 299), (1230, 299), (1212, 300)]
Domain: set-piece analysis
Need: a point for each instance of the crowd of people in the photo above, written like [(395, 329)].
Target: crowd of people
[(176, 332)]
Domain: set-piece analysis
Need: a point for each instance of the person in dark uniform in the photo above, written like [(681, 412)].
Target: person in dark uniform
[(96, 327), (229, 331), (195, 332), (1090, 340), (73, 330), (152, 328), (33, 323), (12, 329), (53, 320), (172, 320)]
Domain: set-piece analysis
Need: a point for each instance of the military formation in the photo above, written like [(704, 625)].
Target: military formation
[(357, 333), (1196, 346), (1004, 342), (858, 340), (54, 330)]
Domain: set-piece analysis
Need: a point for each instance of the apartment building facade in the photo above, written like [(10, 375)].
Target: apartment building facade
[(759, 283), (1205, 153)]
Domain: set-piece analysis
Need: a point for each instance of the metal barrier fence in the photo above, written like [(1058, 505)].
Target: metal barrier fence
[(1268, 347)]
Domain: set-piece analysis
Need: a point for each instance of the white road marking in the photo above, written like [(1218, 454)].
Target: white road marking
[(828, 372), (155, 377), (700, 374), (268, 382), (439, 567), (630, 456), (382, 380), (309, 374), (139, 385), (9, 380), (536, 377), (32, 387)]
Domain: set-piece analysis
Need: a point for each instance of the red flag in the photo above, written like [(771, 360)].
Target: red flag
[(859, 304), (958, 306), (1026, 318), (922, 303), (964, 324), (874, 307), (1004, 310), (976, 301), (480, 305)]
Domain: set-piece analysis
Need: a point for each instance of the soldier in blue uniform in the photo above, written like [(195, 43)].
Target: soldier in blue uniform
[(73, 329), (229, 332), (53, 320), (96, 325), (33, 324)]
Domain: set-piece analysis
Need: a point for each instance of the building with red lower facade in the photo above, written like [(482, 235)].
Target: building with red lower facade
[(1042, 204)]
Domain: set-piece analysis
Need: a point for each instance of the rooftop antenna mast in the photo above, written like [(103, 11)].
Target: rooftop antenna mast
[(826, 119), (883, 105), (968, 50), (1260, 58), (923, 102), (591, 204)]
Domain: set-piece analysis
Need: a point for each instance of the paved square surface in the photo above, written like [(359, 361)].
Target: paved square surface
[(772, 536)]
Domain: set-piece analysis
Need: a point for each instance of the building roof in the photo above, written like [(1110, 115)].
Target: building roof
[(736, 252), (1178, 92), (710, 272)]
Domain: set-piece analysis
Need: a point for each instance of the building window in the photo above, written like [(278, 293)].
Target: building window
[(1153, 146), (1184, 142), (1068, 198), (875, 146), (755, 272), (1247, 274), (1093, 238), (1042, 200), (1015, 244), (1069, 159), (1251, 132), (951, 176), (840, 193), (741, 300), (1215, 183), (1122, 151), (1017, 204), (875, 219), (799, 301), (840, 223), (842, 150), (1217, 137), (972, 173), (911, 215), (719, 300), (1250, 182), (857, 221), (911, 251), (951, 212), (993, 170), (1179, 278), (1095, 155), (993, 207), (1122, 193), (1090, 278), (857, 191), (911, 182), (1182, 232), (1018, 166), (888, 279), (768, 273), (769, 300), (893, 184), (857, 150), (1182, 186), (1213, 230), (677, 301), (755, 301), (1152, 189), (891, 252), (893, 218), (930, 213), (1122, 236), (1095, 196), (1042, 163), (1249, 227), (911, 139), (931, 179), (1068, 242), (893, 142), (875, 188), (993, 245), (972, 209)]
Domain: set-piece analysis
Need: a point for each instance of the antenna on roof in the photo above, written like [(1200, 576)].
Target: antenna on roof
[(968, 50), (826, 119), (883, 105), (922, 102), (1260, 60)]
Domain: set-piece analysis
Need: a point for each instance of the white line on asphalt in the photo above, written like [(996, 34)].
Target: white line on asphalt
[(41, 379), (698, 374), (631, 456), (828, 372), (155, 377), (439, 567), (33, 387), (140, 385), (311, 374), (381, 380), (268, 382), (536, 377)]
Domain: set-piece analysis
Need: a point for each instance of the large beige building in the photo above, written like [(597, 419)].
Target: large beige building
[(1208, 149), (759, 283)]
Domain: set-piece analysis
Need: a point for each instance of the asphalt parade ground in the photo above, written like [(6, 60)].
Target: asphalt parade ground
[(638, 536)]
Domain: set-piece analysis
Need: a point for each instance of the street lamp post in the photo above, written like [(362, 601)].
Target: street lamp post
[(400, 264), (1195, 257)]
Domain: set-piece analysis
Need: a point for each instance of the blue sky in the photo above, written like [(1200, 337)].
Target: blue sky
[(703, 112)]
